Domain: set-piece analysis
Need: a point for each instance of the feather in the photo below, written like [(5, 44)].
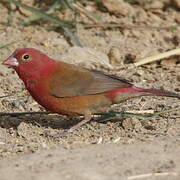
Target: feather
[(77, 81)]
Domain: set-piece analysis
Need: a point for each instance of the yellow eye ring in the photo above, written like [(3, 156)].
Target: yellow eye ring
[(25, 57)]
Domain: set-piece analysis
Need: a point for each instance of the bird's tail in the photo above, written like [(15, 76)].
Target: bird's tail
[(155, 92), (121, 94)]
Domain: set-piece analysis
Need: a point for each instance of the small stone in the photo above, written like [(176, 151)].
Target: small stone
[(154, 5), (22, 130), (128, 124), (177, 3), (114, 56), (177, 17), (170, 62), (178, 77), (86, 57), (118, 7)]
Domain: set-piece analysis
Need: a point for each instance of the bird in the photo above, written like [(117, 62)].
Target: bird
[(72, 90)]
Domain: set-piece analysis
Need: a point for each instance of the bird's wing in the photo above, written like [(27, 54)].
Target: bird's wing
[(76, 81)]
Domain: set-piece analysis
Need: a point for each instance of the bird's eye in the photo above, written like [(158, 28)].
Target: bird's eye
[(25, 57)]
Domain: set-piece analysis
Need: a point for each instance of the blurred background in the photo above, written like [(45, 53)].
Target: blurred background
[(107, 35)]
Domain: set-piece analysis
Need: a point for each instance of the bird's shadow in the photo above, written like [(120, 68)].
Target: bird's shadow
[(53, 121), (42, 120)]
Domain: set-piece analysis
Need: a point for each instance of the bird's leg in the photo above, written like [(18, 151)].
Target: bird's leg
[(87, 118)]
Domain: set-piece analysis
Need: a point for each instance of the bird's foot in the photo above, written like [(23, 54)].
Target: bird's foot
[(73, 128), (60, 134)]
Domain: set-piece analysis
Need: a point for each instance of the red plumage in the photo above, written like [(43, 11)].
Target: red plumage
[(68, 89)]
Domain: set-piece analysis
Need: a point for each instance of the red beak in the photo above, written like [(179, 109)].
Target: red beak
[(11, 61)]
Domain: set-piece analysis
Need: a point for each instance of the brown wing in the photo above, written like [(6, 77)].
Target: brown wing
[(76, 81)]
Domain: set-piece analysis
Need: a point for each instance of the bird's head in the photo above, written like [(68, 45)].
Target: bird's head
[(28, 62)]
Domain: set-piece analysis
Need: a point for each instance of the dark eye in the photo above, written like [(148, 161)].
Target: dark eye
[(25, 57)]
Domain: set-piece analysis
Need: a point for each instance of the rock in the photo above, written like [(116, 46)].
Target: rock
[(86, 57), (154, 5), (128, 124), (177, 17), (170, 62), (23, 129), (178, 77), (118, 7), (177, 3), (114, 56)]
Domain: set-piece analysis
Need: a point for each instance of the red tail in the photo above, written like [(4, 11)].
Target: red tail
[(156, 92), (121, 94)]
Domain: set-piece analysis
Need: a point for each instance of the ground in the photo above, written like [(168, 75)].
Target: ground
[(122, 148)]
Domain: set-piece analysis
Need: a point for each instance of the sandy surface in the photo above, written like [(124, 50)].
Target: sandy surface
[(118, 149), (96, 162)]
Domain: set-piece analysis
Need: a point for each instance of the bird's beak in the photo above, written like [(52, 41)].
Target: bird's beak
[(11, 61)]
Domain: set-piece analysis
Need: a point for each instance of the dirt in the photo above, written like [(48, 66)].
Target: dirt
[(122, 148)]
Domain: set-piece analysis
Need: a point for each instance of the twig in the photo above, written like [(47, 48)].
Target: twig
[(65, 25), (165, 111), (128, 26), (23, 113), (150, 59), (80, 8), (121, 114), (141, 176), (109, 115), (43, 14), (157, 57), (141, 112), (8, 95), (49, 11), (17, 94)]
